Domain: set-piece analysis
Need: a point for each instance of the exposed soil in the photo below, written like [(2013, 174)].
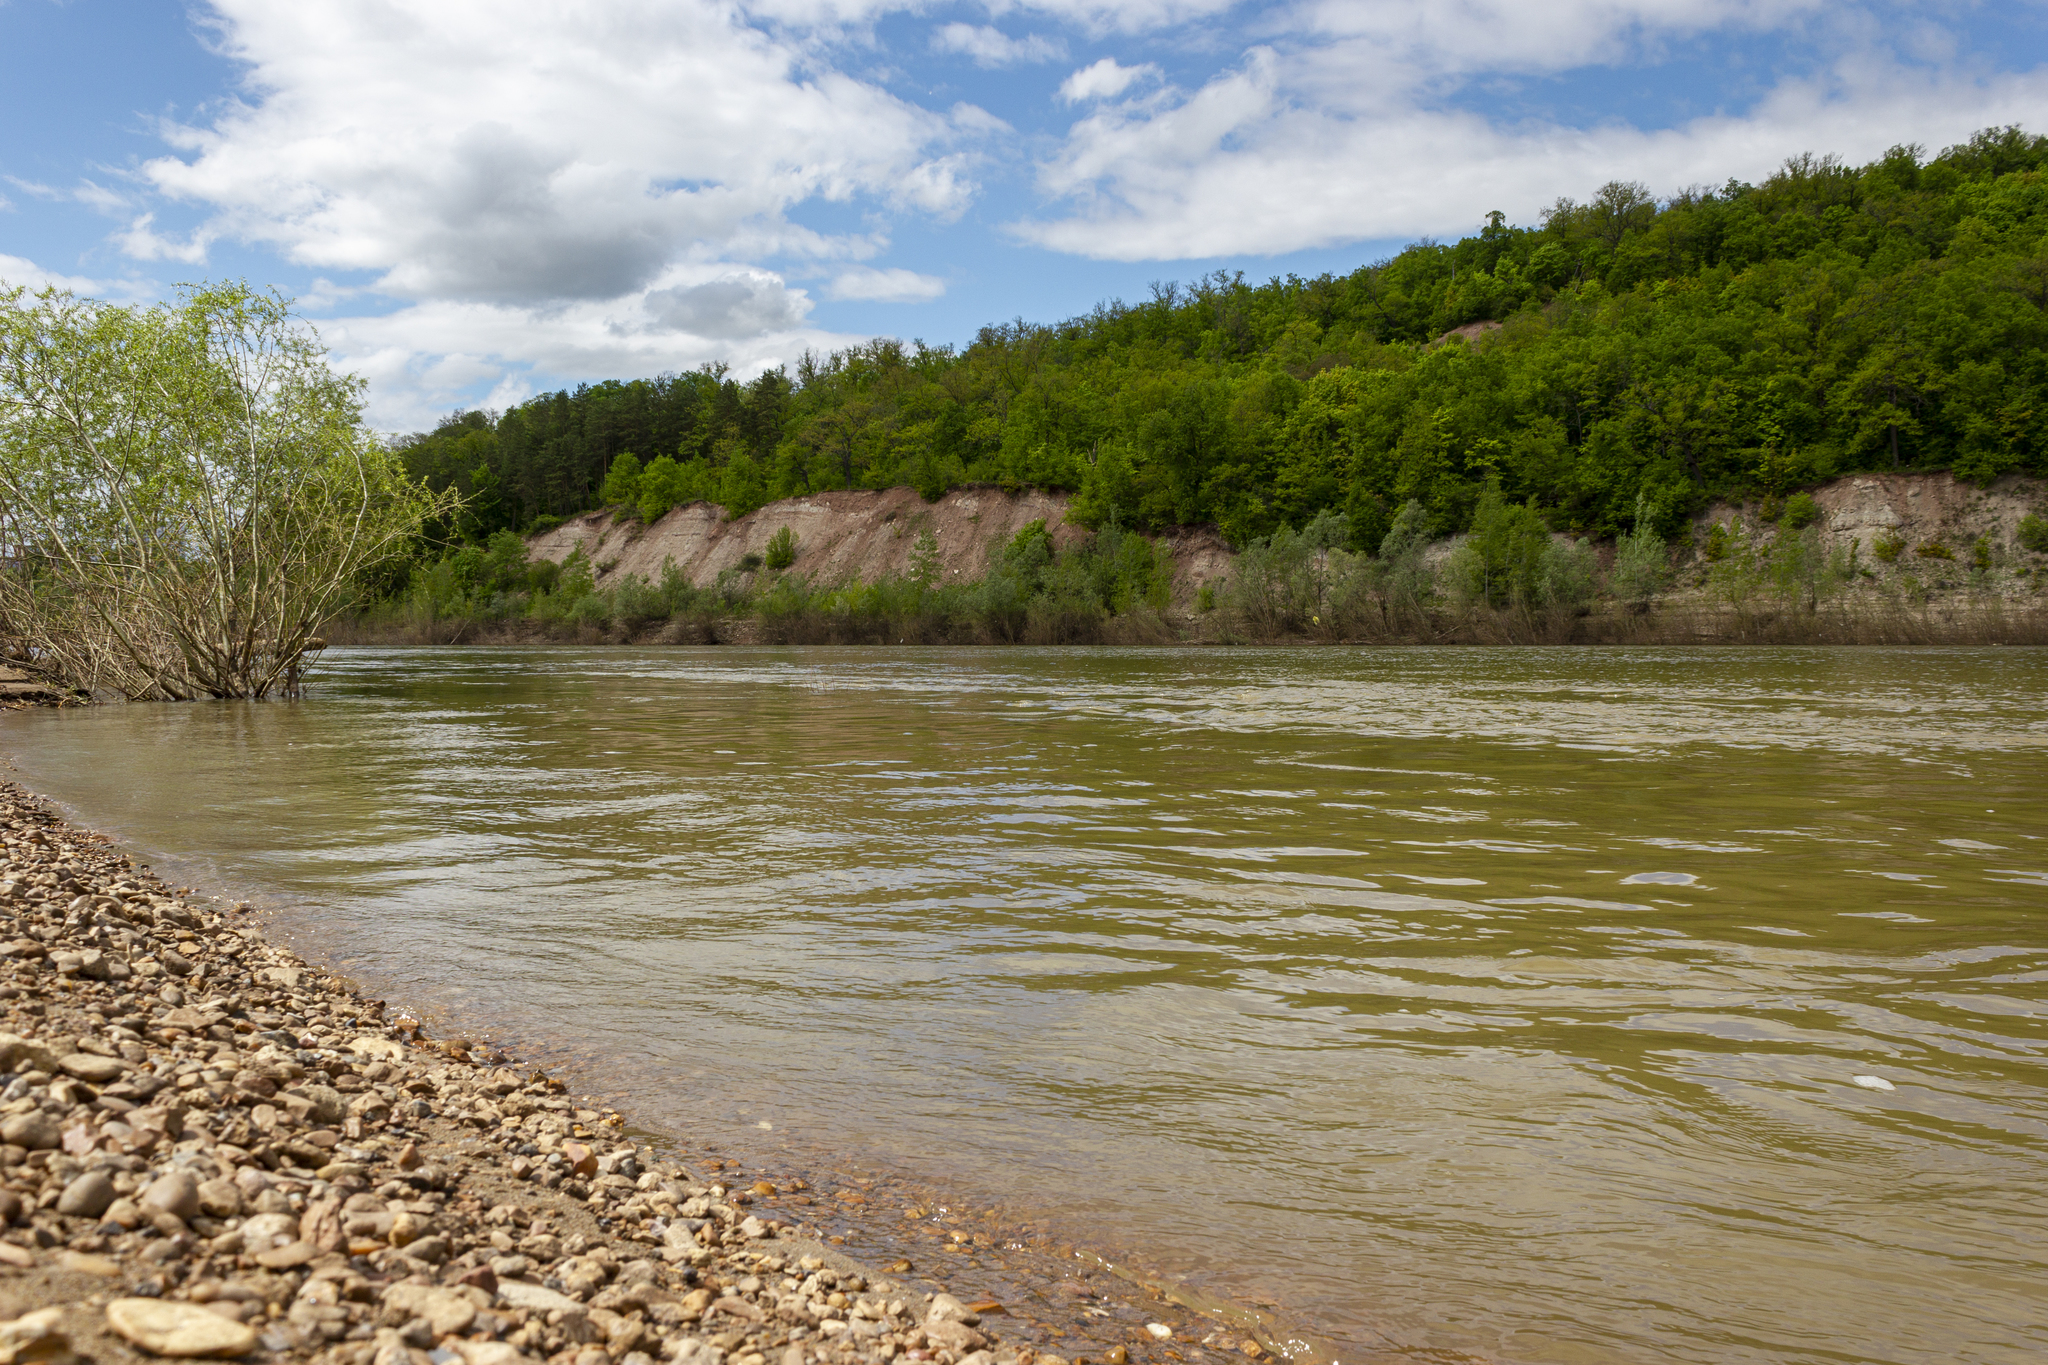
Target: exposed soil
[(854, 537), (841, 537), (1922, 509)]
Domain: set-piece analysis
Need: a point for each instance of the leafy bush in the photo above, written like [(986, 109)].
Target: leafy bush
[(663, 485), (924, 559), (1934, 549), (1804, 572), (1980, 554), (1642, 564), (1405, 581), (1801, 511), (1718, 538), (1568, 577), (1888, 546), (782, 549), (1271, 588), (749, 562), (2033, 533)]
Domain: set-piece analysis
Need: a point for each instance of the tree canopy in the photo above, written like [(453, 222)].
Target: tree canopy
[(1623, 354)]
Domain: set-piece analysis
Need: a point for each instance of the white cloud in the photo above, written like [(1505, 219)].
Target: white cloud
[(141, 240), (1419, 39), (1314, 145), (1094, 17), (427, 358), (545, 189), (87, 192), (531, 153), (20, 272), (886, 286), (1100, 17), (1104, 80), (990, 46)]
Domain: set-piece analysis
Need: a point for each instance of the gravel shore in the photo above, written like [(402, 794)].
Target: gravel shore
[(210, 1148)]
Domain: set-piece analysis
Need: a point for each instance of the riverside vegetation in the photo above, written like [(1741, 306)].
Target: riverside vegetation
[(1764, 573), (1602, 376), (1112, 586), (209, 1148)]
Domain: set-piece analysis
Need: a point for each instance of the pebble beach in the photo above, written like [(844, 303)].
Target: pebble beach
[(211, 1148)]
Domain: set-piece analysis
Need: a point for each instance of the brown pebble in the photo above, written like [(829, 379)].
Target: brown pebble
[(176, 1193), (86, 1263), (288, 1256), (86, 1197)]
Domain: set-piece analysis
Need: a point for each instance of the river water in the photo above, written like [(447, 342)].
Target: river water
[(1502, 1004)]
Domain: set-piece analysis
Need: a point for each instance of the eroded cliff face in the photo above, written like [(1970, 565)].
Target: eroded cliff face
[(852, 537), (1920, 509), (841, 537), (866, 536)]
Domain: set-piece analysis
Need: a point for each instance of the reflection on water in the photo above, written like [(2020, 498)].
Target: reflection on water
[(1497, 1002)]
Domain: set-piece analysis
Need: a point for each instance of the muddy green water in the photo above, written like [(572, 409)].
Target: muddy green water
[(1490, 1002)]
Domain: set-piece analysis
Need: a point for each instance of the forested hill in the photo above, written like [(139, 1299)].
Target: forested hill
[(1745, 338)]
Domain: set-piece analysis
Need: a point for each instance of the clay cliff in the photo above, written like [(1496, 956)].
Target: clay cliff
[(866, 536), (852, 536)]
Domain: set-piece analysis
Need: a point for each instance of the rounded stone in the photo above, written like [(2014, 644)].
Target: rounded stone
[(86, 1197), (267, 1230), (36, 1131), (220, 1198), (176, 1193), (90, 1069), (166, 1327)]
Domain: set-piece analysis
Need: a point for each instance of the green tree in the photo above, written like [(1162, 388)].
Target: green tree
[(622, 483), (1501, 563), (186, 492)]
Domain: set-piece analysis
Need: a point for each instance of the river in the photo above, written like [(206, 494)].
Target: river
[(1495, 1004)]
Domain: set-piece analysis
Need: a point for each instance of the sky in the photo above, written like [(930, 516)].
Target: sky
[(477, 202)]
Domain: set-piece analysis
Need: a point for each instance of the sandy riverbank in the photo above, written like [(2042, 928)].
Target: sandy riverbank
[(210, 1147)]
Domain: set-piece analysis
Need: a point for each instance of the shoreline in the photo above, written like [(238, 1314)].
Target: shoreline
[(1677, 624), (209, 1146)]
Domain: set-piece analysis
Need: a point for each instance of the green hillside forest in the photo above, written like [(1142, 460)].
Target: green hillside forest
[(1740, 339)]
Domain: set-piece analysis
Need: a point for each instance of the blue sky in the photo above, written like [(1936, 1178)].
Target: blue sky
[(479, 201)]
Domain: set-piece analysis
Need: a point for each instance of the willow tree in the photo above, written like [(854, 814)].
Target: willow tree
[(186, 491)]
